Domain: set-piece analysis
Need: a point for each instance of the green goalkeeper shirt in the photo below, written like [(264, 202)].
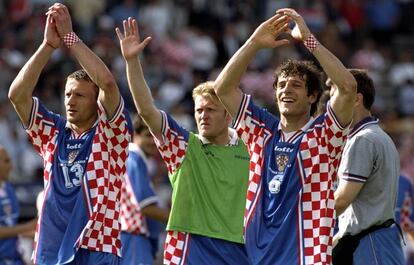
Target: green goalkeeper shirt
[(209, 183)]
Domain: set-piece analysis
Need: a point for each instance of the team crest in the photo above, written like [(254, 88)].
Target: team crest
[(281, 162), (72, 156)]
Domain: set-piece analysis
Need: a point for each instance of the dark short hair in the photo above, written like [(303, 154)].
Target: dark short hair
[(365, 86), (80, 75), (83, 75), (139, 124), (310, 73)]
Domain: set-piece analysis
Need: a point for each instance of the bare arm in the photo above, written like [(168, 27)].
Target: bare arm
[(154, 212), (227, 83), (20, 229), (342, 101), (21, 89), (345, 195), (131, 47), (109, 94)]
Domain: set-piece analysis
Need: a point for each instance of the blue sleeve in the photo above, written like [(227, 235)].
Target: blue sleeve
[(140, 181)]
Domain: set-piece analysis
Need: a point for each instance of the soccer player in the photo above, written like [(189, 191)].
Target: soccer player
[(368, 184), (9, 215), (84, 154), (208, 171), (404, 213), (293, 159), (140, 214)]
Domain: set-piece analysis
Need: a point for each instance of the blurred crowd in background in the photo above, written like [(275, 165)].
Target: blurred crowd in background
[(192, 40)]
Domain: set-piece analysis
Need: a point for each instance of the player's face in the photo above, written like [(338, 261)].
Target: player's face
[(211, 118), (146, 142), (81, 103), (5, 164), (292, 96)]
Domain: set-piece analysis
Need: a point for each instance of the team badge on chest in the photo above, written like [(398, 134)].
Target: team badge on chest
[(72, 156), (281, 163)]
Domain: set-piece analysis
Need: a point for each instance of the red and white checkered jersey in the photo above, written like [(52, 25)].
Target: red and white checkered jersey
[(105, 167), (290, 179)]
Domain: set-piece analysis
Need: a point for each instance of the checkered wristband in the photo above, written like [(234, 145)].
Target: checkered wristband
[(70, 39), (311, 43)]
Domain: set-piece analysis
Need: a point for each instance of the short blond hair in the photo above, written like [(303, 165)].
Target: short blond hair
[(205, 89)]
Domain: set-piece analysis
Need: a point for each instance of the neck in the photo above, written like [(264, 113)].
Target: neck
[(292, 124), (221, 139), (359, 115), (81, 128)]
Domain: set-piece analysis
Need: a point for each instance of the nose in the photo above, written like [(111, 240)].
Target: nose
[(286, 87), (70, 100), (203, 115)]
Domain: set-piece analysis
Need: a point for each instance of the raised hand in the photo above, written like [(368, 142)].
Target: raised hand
[(51, 36), (130, 42), (61, 17), (300, 31), (265, 35)]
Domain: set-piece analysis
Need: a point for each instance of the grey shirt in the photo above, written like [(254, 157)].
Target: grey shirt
[(369, 157)]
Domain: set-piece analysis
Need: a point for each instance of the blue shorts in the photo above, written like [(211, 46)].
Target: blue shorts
[(137, 249), (87, 257), (11, 261), (382, 247), (191, 249)]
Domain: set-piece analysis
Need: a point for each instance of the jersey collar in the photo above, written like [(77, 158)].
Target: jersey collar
[(232, 135), (362, 124)]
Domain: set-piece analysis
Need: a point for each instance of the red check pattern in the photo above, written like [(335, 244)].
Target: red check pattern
[(406, 211), (132, 219), (175, 248), (320, 151), (70, 39), (172, 146), (105, 167), (311, 43)]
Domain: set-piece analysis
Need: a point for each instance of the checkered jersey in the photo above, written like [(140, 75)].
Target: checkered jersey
[(175, 248), (404, 210), (172, 143), (137, 193), (132, 220), (102, 180), (317, 159)]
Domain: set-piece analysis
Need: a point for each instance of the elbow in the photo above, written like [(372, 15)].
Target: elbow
[(13, 95), (108, 82), (219, 89), (351, 85)]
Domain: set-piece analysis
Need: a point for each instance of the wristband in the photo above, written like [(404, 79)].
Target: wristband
[(311, 43), (70, 39)]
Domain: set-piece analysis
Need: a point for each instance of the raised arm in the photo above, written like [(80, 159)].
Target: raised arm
[(342, 101), (109, 94), (227, 83), (21, 89), (131, 48)]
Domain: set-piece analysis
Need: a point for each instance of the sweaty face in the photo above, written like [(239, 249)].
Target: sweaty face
[(81, 103), (211, 117), (292, 96), (5, 164)]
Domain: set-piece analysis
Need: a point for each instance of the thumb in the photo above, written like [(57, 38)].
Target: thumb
[(146, 42), (280, 43)]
